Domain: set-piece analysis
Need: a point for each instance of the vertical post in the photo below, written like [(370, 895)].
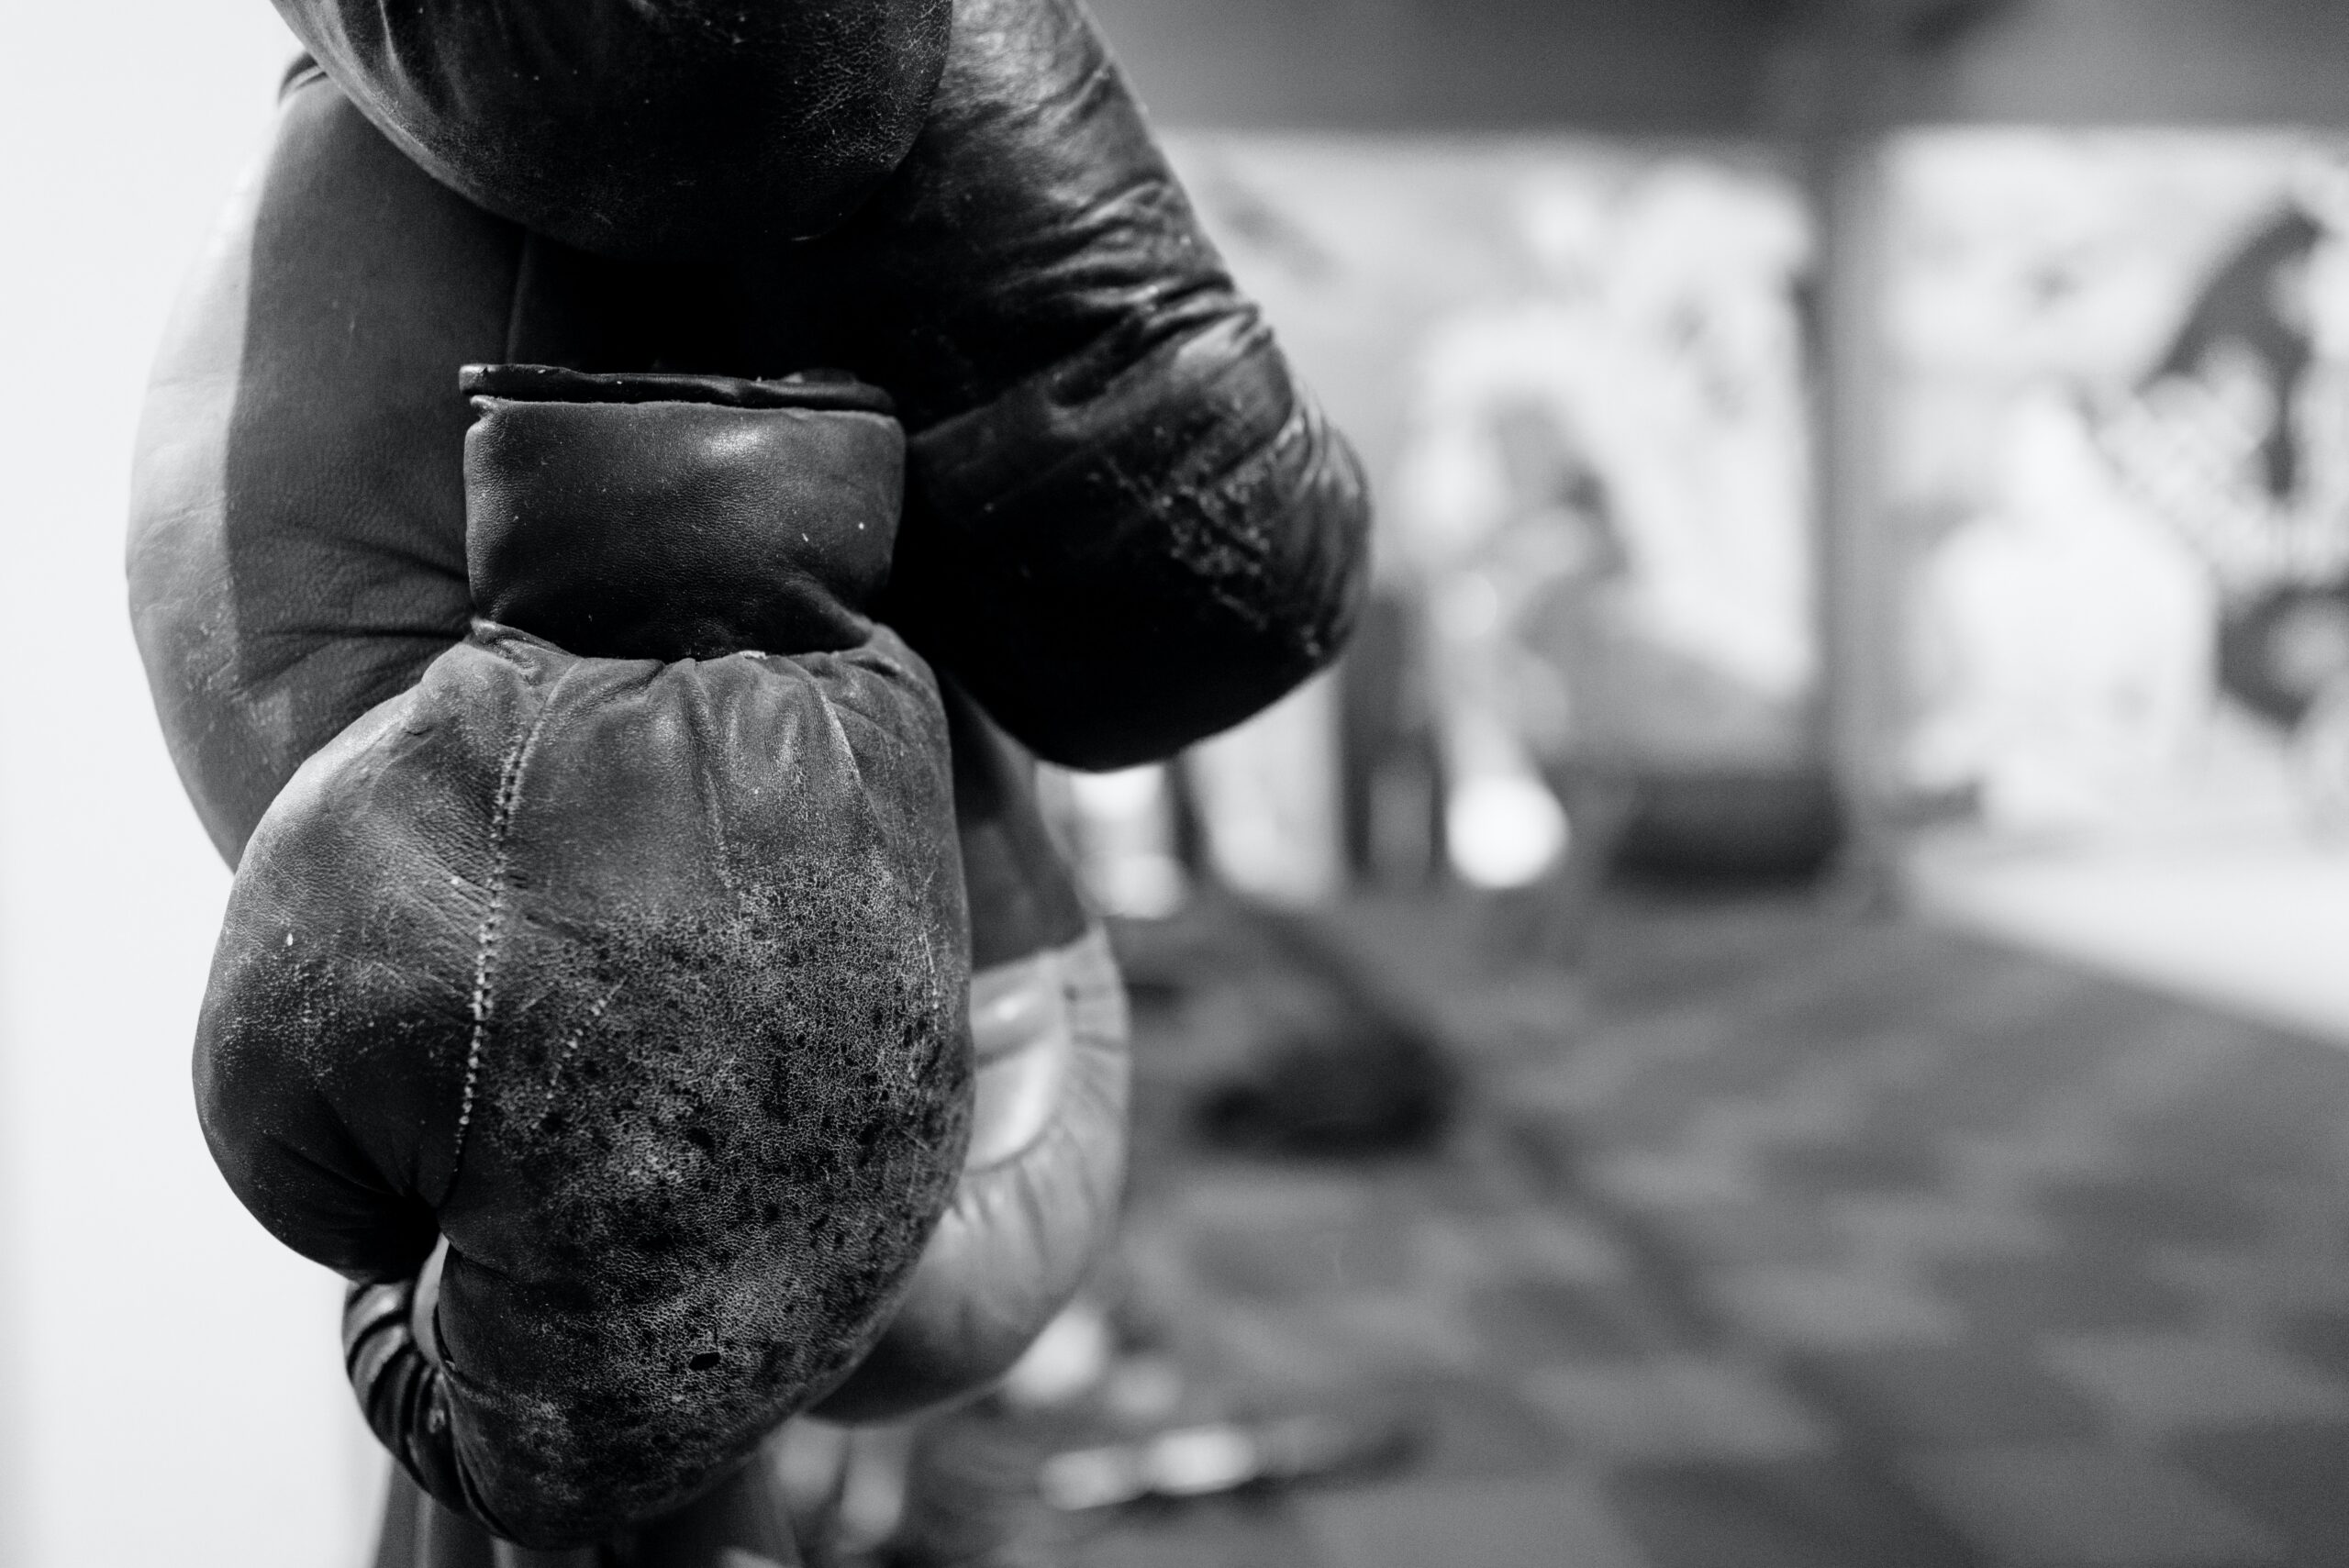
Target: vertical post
[(1862, 575), (1832, 97)]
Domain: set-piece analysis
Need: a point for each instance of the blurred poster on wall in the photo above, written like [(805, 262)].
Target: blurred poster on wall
[(2119, 460), (1573, 368)]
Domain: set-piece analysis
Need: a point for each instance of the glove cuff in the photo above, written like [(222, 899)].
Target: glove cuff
[(679, 517), (404, 1395)]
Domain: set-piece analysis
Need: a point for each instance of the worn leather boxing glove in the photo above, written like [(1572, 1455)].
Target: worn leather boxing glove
[(297, 556), (1030, 1217), (1127, 526), (1045, 1169), (625, 952), (297, 518), (1128, 523), (642, 127), (1106, 440), (745, 1521)]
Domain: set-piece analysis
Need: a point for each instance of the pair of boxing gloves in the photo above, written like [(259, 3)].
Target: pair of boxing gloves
[(620, 964), (583, 700)]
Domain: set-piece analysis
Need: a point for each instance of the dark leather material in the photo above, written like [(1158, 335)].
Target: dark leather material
[(1024, 1227), (1107, 441), (1040, 1191), (743, 1522), (1023, 896), (1035, 228), (297, 534), (642, 127), (642, 983), (1030, 1217), (1179, 605), (621, 528), (801, 389), (1128, 526)]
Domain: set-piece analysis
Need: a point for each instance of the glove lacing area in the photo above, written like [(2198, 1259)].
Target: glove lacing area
[(402, 1392)]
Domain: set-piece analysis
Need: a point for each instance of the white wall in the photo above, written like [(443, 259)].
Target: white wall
[(169, 1382)]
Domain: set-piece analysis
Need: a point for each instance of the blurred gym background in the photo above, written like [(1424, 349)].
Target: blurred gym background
[(1784, 1006)]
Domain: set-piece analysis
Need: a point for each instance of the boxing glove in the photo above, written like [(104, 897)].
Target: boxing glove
[(1030, 1217), (1107, 441), (1128, 523), (642, 127), (1039, 1193), (297, 556), (745, 1521), (297, 512), (626, 952)]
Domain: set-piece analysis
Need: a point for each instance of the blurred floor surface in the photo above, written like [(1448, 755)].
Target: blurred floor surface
[(1769, 1239)]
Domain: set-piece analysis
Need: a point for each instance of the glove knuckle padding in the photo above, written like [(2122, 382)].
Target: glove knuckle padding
[(1195, 527), (636, 966), (642, 127), (1107, 439)]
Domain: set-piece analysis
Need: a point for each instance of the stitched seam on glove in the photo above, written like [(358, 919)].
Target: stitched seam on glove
[(501, 829)]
